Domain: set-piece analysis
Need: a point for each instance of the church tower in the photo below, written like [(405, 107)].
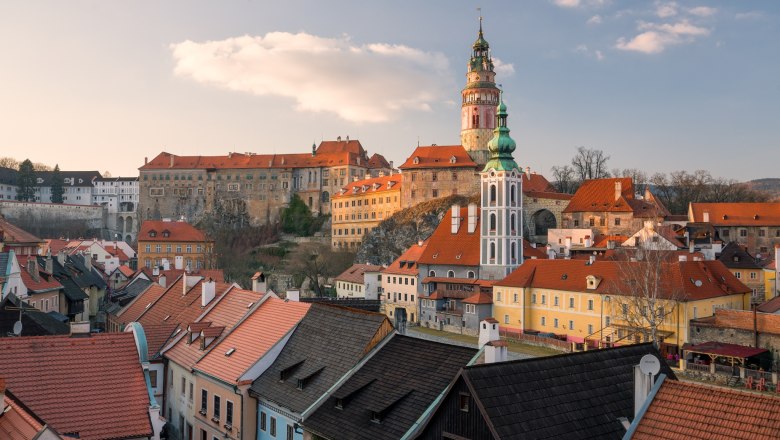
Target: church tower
[(501, 187), (480, 97)]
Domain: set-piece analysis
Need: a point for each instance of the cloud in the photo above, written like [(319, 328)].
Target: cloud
[(750, 15), (358, 82), (583, 49), (657, 37), (703, 11), (599, 55), (503, 69), (567, 3), (665, 10), (596, 19)]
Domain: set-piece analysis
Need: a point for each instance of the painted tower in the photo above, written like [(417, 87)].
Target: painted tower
[(501, 239), (480, 97)]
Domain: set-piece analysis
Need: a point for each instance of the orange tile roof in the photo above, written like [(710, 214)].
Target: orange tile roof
[(226, 312), (479, 298), (45, 280), (737, 214), (140, 303), (742, 320), (18, 422), (533, 182), (460, 249), (126, 271), (547, 195), (681, 278), (598, 195), (355, 273), (370, 186), (217, 275), (530, 252), (409, 259), (685, 410), (771, 306), (73, 383), (179, 231), (252, 338), (55, 244), (436, 156), (602, 241)]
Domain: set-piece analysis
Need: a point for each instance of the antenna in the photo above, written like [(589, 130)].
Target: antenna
[(649, 365)]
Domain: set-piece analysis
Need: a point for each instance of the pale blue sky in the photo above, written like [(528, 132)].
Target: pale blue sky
[(658, 85)]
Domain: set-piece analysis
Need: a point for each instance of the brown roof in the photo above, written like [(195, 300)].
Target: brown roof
[(459, 249), (533, 182), (436, 156), (252, 338), (227, 311), (74, 383), (378, 161), (686, 410), (692, 280), (737, 214), (178, 231), (741, 320), (547, 195), (406, 264), (354, 274), (771, 306), (14, 235), (370, 186)]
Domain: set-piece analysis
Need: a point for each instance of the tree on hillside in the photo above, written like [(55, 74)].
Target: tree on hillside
[(296, 218), (590, 164), (57, 183), (679, 188), (316, 263), (647, 294), (27, 182), (9, 162)]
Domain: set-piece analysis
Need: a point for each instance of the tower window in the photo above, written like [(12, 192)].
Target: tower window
[(512, 195), (492, 223), (475, 120), (493, 195), (492, 251)]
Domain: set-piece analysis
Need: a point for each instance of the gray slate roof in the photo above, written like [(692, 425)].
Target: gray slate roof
[(327, 343), (4, 257), (34, 321), (400, 381)]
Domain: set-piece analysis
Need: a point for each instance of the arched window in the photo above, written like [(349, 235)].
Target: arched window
[(514, 252), (492, 222), (471, 275), (512, 225), (493, 195), (492, 251), (325, 196), (450, 274), (432, 273), (512, 195)]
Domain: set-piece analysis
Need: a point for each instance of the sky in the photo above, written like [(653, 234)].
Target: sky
[(659, 86)]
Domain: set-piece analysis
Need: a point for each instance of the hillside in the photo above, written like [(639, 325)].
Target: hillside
[(394, 235), (769, 185)]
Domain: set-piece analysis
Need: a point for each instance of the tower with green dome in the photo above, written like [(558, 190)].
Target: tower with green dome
[(480, 97), (501, 189)]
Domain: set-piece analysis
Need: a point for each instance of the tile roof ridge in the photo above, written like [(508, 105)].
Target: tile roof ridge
[(153, 303), (555, 356), (136, 298)]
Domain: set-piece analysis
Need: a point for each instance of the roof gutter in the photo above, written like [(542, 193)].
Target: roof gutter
[(650, 397)]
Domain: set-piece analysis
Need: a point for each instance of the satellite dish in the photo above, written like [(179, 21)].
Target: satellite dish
[(649, 364), (698, 283), (18, 328)]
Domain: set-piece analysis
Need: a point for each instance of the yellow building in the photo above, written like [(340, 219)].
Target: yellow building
[(771, 288), (746, 268), (586, 302), (360, 206), (180, 243)]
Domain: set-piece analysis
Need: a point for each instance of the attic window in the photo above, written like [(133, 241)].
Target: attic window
[(435, 255), (166, 317), (564, 276), (230, 351), (376, 417), (463, 402), (453, 159), (736, 257), (249, 305), (416, 160), (339, 403), (725, 217), (755, 217), (166, 234), (152, 233), (148, 305)]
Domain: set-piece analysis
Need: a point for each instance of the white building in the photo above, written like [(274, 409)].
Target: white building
[(120, 196), (359, 281)]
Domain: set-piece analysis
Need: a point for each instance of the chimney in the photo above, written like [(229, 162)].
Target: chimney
[(178, 262), (166, 265), (455, 218), (32, 268), (691, 247), (347, 138), (209, 290), (588, 242), (643, 383), (472, 221), (705, 217), (618, 189), (682, 258), (391, 166), (172, 160), (190, 281), (79, 329), (146, 160), (49, 264), (528, 172), (420, 243), (293, 295), (2, 395), (156, 271), (258, 283), (591, 259), (338, 139), (495, 348), (61, 257), (162, 280), (567, 244), (313, 149)]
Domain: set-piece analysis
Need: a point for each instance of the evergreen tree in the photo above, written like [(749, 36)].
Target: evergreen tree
[(27, 182), (56, 185), (297, 218)]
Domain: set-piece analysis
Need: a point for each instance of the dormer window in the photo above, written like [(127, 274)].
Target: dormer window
[(166, 234), (416, 160), (376, 417), (592, 282), (153, 233), (453, 159)]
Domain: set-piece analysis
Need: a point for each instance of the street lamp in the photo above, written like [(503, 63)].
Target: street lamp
[(601, 321)]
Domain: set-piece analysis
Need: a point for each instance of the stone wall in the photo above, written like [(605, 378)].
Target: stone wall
[(534, 208), (54, 220)]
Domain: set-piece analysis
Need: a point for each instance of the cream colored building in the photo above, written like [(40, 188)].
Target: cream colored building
[(360, 206), (400, 298)]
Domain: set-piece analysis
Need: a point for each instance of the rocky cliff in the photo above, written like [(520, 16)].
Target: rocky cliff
[(394, 235)]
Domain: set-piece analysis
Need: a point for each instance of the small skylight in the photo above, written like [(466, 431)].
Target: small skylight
[(249, 305), (230, 351), (166, 317), (148, 305)]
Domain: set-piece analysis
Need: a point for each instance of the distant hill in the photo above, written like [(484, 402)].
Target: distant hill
[(770, 185)]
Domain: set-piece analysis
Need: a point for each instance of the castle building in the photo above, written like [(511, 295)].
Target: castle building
[(501, 189), (360, 206), (480, 98), (437, 171)]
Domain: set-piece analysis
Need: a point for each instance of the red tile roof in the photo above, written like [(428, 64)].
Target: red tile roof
[(530, 252), (436, 156), (18, 422), (533, 182), (140, 303), (713, 277), (354, 274), (459, 249), (370, 186), (226, 312), (126, 271), (15, 235), (598, 195), (55, 244), (771, 306), (378, 161), (252, 338), (409, 259), (74, 383), (737, 214), (682, 410), (724, 349), (479, 298), (178, 231), (547, 195), (45, 280), (741, 320)]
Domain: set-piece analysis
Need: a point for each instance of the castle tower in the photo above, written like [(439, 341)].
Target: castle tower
[(501, 187), (480, 97)]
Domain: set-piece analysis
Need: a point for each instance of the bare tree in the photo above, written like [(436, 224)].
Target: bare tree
[(679, 188), (638, 176), (564, 179), (646, 291), (37, 166), (316, 263), (590, 164), (9, 162)]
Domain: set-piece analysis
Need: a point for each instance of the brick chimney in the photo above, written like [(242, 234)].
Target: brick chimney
[(49, 264), (32, 268), (618, 189)]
